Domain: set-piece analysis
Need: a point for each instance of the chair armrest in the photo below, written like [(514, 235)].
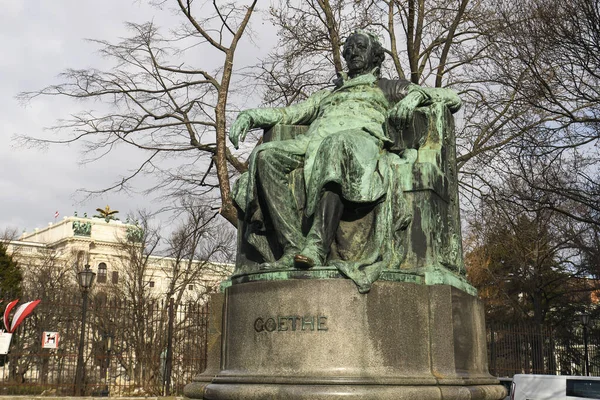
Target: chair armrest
[(283, 132)]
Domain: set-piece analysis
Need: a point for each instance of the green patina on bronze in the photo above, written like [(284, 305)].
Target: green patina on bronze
[(81, 228), (431, 277), (358, 181), (134, 232)]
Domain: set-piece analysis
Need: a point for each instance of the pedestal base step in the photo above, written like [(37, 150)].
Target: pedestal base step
[(351, 392)]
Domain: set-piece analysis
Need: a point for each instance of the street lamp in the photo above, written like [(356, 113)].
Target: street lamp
[(85, 279), (108, 338), (585, 320)]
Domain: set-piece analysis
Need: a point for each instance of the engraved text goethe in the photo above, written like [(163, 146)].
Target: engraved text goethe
[(291, 323)]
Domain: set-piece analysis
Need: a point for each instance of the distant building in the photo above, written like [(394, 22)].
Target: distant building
[(99, 242)]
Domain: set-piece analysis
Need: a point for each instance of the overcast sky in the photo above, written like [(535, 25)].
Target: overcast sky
[(39, 39)]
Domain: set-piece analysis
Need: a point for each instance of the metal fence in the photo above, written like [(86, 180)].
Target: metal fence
[(153, 348), (526, 349)]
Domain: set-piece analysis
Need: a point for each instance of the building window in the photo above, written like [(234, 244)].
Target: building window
[(190, 287), (102, 270), (151, 283), (115, 277)]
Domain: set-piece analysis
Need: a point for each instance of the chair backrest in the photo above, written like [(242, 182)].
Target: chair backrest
[(428, 174)]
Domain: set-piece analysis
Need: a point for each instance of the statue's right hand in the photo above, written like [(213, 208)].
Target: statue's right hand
[(239, 129)]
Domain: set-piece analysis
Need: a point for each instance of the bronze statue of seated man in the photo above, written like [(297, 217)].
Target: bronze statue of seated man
[(344, 158)]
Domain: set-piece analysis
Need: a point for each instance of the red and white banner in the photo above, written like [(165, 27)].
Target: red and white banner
[(21, 312), (7, 311)]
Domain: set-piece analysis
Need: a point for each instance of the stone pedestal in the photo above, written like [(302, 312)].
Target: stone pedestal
[(321, 339), (195, 389)]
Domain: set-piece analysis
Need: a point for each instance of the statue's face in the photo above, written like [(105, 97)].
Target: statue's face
[(357, 53)]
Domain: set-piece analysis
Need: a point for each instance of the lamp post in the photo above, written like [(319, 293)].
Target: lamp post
[(85, 279), (108, 339), (585, 320)]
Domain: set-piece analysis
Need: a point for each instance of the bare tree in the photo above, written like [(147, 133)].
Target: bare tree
[(309, 51), (427, 42), (159, 99), (197, 251), (137, 351), (546, 64), (156, 274)]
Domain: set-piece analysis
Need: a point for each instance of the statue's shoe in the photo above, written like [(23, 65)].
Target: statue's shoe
[(307, 259), (285, 262), (303, 262)]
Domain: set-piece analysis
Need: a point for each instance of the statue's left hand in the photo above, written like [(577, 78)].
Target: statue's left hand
[(402, 114), (240, 128)]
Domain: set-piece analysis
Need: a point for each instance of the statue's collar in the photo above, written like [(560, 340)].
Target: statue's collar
[(344, 81)]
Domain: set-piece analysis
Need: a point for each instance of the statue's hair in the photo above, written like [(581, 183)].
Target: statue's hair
[(377, 51)]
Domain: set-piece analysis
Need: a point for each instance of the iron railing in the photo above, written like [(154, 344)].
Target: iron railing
[(155, 348), (527, 349)]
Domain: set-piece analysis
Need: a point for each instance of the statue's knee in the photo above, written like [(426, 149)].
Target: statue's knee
[(337, 141), (264, 159)]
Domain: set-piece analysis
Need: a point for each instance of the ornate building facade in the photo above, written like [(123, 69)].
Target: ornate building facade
[(106, 244)]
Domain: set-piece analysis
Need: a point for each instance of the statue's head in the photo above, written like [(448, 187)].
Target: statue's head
[(362, 52)]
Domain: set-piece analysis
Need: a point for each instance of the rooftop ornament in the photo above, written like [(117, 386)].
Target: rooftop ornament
[(107, 214)]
